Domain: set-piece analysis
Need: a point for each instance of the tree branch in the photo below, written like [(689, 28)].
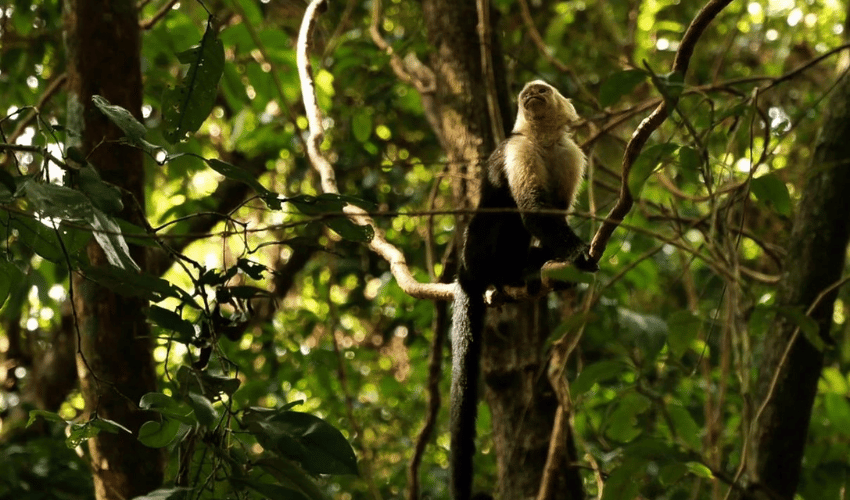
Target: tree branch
[(379, 244), (650, 124)]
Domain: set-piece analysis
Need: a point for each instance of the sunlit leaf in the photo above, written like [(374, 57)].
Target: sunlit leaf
[(699, 470), (771, 191), (187, 105), (165, 494), (170, 320), (47, 415), (80, 433)]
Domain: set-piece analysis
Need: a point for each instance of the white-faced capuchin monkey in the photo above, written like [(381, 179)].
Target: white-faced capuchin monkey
[(531, 175)]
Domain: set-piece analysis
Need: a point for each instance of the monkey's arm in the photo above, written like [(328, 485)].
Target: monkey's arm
[(541, 212)]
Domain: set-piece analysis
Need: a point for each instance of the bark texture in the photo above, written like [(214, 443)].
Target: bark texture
[(815, 260), (102, 38)]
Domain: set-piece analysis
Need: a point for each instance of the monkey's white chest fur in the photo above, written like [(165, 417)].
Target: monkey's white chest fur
[(532, 166)]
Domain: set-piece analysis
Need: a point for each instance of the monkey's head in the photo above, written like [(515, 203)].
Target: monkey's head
[(540, 104)]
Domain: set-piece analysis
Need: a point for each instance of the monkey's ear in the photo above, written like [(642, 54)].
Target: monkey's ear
[(569, 110)]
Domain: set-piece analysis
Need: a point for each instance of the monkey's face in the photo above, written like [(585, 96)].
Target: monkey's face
[(541, 102), (536, 99)]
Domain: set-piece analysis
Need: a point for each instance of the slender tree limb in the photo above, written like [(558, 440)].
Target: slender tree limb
[(484, 37), (650, 124), (422, 78), (379, 244), (160, 14)]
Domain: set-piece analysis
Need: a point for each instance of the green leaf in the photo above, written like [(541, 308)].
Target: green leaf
[(837, 410), (186, 106), (241, 175), (699, 470), (107, 232), (622, 424), (159, 434), (60, 202), (252, 269), (168, 407), (328, 452), (596, 372), (619, 84), (107, 425), (307, 439), (170, 320), (10, 278), (81, 433), (165, 494), (205, 382), (808, 326), (329, 205), (686, 427), (771, 191), (269, 490), (203, 408), (47, 415), (623, 482), (288, 473), (103, 195), (671, 473), (361, 125), (690, 164), (346, 228), (44, 240), (682, 329), (137, 284), (671, 85), (125, 120), (646, 163)]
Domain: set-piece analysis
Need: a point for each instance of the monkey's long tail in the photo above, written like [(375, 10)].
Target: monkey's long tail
[(467, 327)]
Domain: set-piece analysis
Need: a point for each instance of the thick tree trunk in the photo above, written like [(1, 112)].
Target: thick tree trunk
[(522, 402), (815, 260), (102, 38)]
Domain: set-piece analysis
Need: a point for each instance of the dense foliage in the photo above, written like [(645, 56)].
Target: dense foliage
[(284, 346)]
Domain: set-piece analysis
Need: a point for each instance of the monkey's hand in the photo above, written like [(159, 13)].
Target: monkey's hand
[(582, 261)]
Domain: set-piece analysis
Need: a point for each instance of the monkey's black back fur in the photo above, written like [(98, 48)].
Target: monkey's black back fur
[(497, 251)]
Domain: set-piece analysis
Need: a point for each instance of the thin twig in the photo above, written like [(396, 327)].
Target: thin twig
[(160, 14)]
